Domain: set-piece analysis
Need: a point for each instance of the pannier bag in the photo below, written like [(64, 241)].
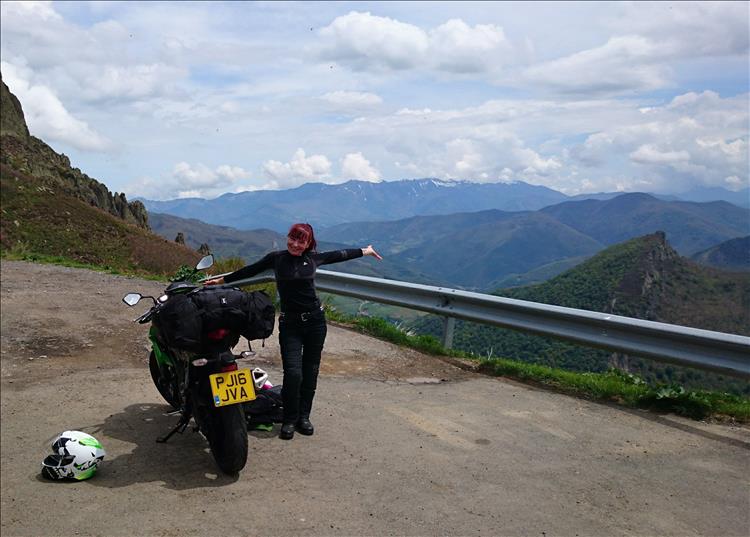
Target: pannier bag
[(261, 316), (179, 322), (221, 307), (185, 319)]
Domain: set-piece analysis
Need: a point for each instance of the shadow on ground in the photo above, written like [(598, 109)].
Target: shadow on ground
[(184, 462)]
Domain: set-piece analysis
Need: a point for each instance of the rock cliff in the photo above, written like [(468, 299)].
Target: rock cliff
[(30, 155)]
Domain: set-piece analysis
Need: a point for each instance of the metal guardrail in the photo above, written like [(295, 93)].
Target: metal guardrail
[(703, 349)]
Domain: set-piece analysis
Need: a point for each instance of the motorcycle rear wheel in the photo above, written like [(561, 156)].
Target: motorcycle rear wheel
[(227, 436), (165, 381)]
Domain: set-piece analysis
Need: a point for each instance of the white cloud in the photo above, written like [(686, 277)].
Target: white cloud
[(689, 29), (190, 181), (41, 10), (366, 41), (457, 47), (356, 166), (362, 38), (301, 169), (656, 35), (695, 139), (624, 63), (650, 154), (45, 114), (352, 99), (129, 82)]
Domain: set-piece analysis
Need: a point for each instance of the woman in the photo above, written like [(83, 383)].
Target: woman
[(302, 323)]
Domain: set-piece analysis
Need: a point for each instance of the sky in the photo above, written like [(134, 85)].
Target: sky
[(184, 99)]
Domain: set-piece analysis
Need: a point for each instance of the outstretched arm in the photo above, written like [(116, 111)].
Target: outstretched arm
[(337, 256), (245, 272)]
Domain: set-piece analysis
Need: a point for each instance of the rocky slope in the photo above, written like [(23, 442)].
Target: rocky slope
[(31, 156)]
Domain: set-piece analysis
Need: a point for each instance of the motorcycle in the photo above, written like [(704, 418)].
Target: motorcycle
[(206, 386)]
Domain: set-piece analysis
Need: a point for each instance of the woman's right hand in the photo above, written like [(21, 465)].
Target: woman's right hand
[(215, 281)]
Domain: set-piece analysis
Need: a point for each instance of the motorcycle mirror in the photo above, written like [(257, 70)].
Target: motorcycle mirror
[(205, 262), (131, 299)]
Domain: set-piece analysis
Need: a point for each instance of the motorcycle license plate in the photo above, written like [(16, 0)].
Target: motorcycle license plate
[(232, 387)]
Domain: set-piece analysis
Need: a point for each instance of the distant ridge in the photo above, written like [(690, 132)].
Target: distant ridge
[(357, 201), (690, 226), (251, 245), (733, 254)]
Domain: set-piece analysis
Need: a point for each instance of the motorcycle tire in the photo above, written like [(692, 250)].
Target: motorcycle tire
[(227, 436), (165, 381)]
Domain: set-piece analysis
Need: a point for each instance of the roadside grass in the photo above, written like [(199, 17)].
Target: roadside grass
[(15, 254), (611, 386)]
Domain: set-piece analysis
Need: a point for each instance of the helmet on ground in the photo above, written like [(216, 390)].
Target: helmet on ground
[(259, 378), (75, 455)]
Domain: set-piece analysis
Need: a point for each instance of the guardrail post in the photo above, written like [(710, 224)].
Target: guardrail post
[(449, 326)]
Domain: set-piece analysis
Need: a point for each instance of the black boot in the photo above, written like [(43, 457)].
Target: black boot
[(305, 427), (287, 431)]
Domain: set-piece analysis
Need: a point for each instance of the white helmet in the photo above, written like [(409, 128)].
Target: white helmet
[(76, 455), (259, 378)]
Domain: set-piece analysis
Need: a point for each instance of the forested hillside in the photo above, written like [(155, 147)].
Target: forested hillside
[(733, 254), (689, 226), (642, 278)]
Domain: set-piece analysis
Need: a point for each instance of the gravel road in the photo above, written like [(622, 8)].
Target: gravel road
[(405, 444)]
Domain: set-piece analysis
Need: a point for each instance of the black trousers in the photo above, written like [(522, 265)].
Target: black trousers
[(301, 344)]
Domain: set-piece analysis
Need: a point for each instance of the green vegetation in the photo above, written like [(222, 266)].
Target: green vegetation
[(642, 278), (612, 385), (227, 264)]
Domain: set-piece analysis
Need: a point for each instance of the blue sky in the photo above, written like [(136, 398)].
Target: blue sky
[(167, 100)]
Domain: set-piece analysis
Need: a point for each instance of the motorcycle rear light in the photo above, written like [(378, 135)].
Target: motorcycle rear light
[(199, 362), (218, 334), (229, 367)]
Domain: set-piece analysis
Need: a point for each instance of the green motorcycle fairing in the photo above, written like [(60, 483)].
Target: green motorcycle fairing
[(161, 357)]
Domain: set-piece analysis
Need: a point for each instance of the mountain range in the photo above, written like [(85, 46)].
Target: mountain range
[(489, 249), (251, 245), (356, 201), (360, 201), (690, 226)]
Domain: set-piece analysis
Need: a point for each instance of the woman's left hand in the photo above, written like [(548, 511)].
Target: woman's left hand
[(369, 250)]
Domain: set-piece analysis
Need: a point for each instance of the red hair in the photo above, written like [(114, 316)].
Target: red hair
[(303, 232)]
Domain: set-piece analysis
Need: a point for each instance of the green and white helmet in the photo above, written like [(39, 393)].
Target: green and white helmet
[(76, 455)]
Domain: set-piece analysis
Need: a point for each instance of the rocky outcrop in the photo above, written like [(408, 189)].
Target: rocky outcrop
[(640, 291), (30, 155), (12, 121)]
